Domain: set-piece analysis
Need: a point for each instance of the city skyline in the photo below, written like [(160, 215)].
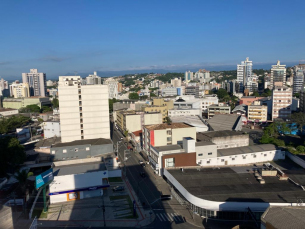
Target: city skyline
[(61, 38)]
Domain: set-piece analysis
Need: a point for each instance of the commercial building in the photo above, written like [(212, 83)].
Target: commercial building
[(244, 73), (84, 110), (220, 108), (23, 102), (169, 91), (192, 90), (37, 82), (112, 88), (159, 105), (176, 82), (19, 90), (129, 104), (184, 112), (166, 134), (298, 81), (225, 122), (4, 88), (224, 138), (51, 129), (188, 103), (188, 76), (8, 111), (80, 149), (281, 102), (208, 100), (257, 113), (278, 74), (195, 121), (93, 79), (132, 121)]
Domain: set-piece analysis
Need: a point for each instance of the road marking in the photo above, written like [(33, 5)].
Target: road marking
[(159, 217), (162, 217), (169, 216)]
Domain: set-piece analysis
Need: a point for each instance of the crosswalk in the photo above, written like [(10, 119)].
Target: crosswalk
[(169, 217)]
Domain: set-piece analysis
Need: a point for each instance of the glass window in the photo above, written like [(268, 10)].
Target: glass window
[(200, 154), (170, 162), (210, 153)]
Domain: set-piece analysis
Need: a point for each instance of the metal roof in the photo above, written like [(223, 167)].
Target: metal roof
[(245, 150)]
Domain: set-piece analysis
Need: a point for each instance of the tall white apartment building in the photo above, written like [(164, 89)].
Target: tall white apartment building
[(278, 74), (93, 79), (298, 80), (202, 75), (244, 73), (36, 81), (4, 89), (188, 76), (281, 102), (112, 88), (176, 82), (84, 111), (50, 83), (19, 90)]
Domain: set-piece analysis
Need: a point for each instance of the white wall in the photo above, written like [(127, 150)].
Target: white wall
[(51, 129), (115, 173), (58, 198)]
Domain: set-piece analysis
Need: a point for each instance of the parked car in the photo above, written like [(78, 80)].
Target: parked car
[(118, 188)]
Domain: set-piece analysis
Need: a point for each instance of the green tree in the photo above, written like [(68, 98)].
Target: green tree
[(30, 109), (255, 93), (22, 177), (126, 133), (133, 96), (13, 122), (55, 103), (45, 109), (299, 119), (168, 120), (143, 97), (111, 102), (221, 93), (301, 149), (11, 154), (267, 92), (153, 94)]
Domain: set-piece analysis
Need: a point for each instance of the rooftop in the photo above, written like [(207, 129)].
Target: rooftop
[(167, 148), (207, 136), (239, 184), (7, 109), (245, 149), (241, 107), (204, 143), (78, 168), (190, 120), (167, 126), (224, 121), (48, 142), (137, 133), (98, 141)]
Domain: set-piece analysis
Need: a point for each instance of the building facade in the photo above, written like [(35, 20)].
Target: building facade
[(84, 110), (23, 102), (244, 73), (220, 108), (208, 100), (112, 88), (176, 82), (4, 88), (278, 74), (93, 79), (20, 90), (169, 91), (281, 102), (184, 112), (298, 80), (51, 129), (37, 82), (160, 105), (188, 76), (257, 113)]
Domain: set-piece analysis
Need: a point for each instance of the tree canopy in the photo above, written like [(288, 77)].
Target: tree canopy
[(30, 109), (55, 103), (170, 75), (13, 122), (221, 93), (133, 96)]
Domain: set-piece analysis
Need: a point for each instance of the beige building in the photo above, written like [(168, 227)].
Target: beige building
[(20, 90), (220, 108), (84, 110), (281, 102), (257, 112), (165, 134), (132, 121), (176, 82), (160, 105), (23, 102)]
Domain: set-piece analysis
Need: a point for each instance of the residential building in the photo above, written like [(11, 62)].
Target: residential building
[(295, 104), (166, 134), (53, 92), (132, 121), (302, 99), (160, 105), (112, 88), (298, 81), (84, 110), (244, 73), (184, 112), (257, 112), (51, 129), (185, 103), (225, 122), (169, 91), (176, 82), (219, 108), (93, 79), (19, 90), (278, 74), (36, 81), (188, 76), (50, 83), (7, 112), (23, 102), (202, 75), (281, 102), (4, 88), (248, 100), (208, 100)]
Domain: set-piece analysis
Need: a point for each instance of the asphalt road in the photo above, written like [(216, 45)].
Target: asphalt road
[(146, 189)]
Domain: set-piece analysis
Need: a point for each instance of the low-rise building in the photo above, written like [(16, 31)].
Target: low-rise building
[(159, 105), (248, 100), (7, 112), (169, 91), (51, 129), (195, 121), (23, 102), (208, 100), (240, 110), (226, 122), (220, 108), (184, 112)]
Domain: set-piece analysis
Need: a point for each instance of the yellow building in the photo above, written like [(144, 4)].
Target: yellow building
[(159, 105), (20, 90), (257, 113)]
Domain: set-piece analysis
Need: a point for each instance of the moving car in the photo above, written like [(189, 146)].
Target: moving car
[(118, 188)]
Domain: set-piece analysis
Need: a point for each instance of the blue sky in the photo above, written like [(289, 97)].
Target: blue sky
[(59, 37)]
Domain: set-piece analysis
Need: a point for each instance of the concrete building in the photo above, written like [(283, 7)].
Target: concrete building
[(176, 82), (81, 149), (185, 103), (240, 110), (202, 75), (244, 73), (51, 129), (220, 108), (132, 121), (23, 102), (93, 79), (225, 122), (192, 90), (281, 102), (37, 82), (120, 87), (298, 81), (130, 104), (278, 74), (188, 76), (248, 100), (112, 88), (169, 91), (160, 105), (50, 83), (195, 121), (165, 134), (208, 100), (184, 112), (53, 92), (302, 99), (84, 110), (4, 88), (8, 112), (19, 90), (257, 113)]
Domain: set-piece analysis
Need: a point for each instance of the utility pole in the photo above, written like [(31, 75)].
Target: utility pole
[(104, 210)]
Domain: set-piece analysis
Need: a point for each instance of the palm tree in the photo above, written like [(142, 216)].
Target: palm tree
[(22, 177)]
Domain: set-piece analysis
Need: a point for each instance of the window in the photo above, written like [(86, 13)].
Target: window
[(169, 139), (210, 153), (208, 162), (200, 154), (265, 155), (170, 162), (53, 151), (233, 159), (87, 148), (64, 151), (76, 150), (254, 156), (169, 132), (222, 160), (244, 157), (226, 146)]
